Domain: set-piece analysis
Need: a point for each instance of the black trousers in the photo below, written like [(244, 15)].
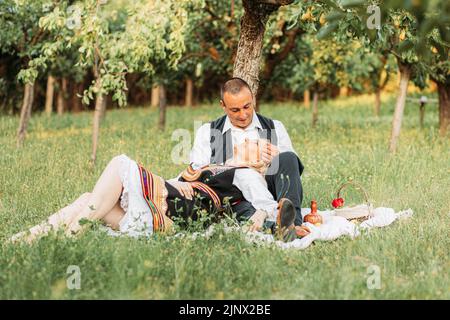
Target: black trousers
[(283, 181)]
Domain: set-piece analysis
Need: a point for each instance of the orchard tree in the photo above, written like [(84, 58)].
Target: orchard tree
[(405, 29), (22, 36), (152, 37), (253, 26)]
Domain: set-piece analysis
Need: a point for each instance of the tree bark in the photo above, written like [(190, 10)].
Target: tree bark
[(444, 108), (307, 98), (49, 95), (189, 92), (155, 96), (25, 112), (421, 114), (405, 73), (343, 92), (100, 104), (162, 107), (62, 95), (76, 101), (377, 101), (253, 26), (315, 111)]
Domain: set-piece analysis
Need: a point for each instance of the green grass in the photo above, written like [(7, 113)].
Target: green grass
[(52, 169)]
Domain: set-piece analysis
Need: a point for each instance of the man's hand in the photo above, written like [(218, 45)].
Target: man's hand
[(185, 188), (258, 219), (268, 151)]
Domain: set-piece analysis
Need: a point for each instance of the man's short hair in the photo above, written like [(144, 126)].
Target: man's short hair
[(233, 86)]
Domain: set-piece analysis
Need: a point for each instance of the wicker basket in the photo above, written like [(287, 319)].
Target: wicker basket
[(359, 212)]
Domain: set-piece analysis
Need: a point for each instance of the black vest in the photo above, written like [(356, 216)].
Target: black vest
[(222, 144)]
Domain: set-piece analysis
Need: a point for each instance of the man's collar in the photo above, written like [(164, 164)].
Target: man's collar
[(254, 124)]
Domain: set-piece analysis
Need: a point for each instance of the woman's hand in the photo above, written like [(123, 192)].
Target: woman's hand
[(185, 188)]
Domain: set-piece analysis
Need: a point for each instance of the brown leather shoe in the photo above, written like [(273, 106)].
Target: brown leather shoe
[(285, 229)]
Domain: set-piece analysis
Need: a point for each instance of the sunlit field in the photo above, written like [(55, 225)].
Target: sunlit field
[(52, 169)]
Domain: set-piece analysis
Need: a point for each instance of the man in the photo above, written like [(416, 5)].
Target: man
[(215, 143)]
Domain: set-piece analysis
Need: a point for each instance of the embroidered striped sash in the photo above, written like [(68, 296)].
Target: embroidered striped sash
[(155, 194), (210, 192)]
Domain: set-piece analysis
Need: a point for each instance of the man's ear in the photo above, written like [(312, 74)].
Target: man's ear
[(222, 104)]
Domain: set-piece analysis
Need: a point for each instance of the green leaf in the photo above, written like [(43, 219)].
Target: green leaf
[(335, 15), (405, 46), (353, 3), (327, 30)]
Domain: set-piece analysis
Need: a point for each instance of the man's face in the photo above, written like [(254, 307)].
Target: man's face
[(238, 107)]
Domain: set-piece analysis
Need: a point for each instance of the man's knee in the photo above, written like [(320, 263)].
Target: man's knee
[(287, 159)]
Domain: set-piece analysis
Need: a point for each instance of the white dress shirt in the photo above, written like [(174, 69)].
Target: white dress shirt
[(200, 154)]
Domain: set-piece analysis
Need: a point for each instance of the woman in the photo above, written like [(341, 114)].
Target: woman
[(132, 200)]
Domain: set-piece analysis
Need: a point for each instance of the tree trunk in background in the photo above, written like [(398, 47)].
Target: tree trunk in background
[(162, 107), (343, 92), (77, 89), (253, 25), (377, 102), (25, 113), (100, 104), (405, 73), (315, 111), (49, 95), (306, 99), (62, 95), (196, 97), (105, 105), (421, 114), (155, 96), (189, 92), (444, 108)]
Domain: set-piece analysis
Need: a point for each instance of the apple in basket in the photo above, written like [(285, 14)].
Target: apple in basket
[(337, 203)]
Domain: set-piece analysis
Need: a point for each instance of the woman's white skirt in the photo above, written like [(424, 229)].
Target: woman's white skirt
[(138, 219)]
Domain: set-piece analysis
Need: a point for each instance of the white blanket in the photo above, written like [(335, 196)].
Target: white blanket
[(332, 228)]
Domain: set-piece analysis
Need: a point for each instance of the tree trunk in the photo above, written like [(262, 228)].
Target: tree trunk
[(444, 108), (76, 101), (155, 96), (49, 95), (377, 101), (100, 104), (25, 112), (62, 95), (315, 111), (162, 107), (343, 92), (253, 25), (189, 92), (106, 102), (405, 73), (306, 99), (421, 114)]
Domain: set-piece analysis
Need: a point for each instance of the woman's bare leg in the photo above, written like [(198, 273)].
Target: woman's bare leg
[(102, 203), (57, 220), (113, 217), (103, 198)]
